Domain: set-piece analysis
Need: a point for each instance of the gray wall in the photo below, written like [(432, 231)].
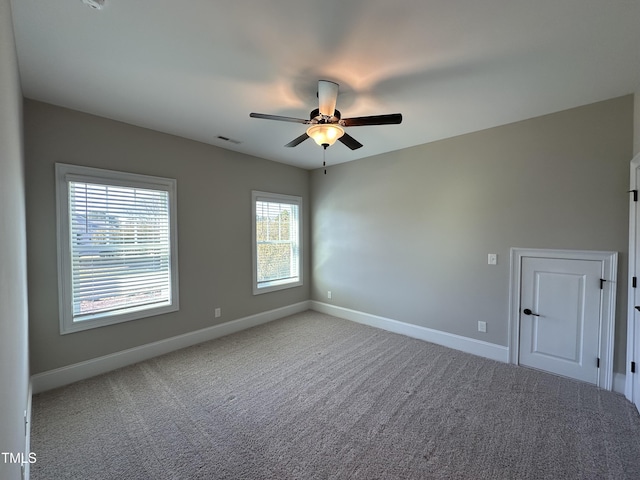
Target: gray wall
[(405, 235), (214, 227), (14, 353)]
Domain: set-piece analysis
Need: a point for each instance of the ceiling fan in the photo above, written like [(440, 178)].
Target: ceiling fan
[(326, 125)]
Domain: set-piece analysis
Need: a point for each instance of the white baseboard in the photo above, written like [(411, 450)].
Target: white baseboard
[(96, 366), (59, 377), (457, 342)]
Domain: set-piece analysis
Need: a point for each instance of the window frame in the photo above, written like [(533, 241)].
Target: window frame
[(275, 198), (66, 173)]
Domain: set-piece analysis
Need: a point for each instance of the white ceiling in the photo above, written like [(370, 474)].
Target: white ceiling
[(197, 68)]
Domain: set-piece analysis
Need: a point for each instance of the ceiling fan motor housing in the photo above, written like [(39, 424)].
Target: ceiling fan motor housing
[(316, 117)]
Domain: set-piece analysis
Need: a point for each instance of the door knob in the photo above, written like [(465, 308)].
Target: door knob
[(526, 311)]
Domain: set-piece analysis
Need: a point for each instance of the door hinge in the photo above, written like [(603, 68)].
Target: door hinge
[(633, 367), (598, 363), (635, 195), (634, 282), (602, 280)]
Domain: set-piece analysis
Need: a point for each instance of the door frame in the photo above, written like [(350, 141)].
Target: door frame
[(609, 271), (630, 377)]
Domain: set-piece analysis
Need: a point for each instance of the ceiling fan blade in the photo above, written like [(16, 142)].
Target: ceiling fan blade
[(392, 118), (350, 142), (327, 97), (279, 118), (297, 141)]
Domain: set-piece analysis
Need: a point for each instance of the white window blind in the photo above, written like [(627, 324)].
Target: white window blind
[(120, 262), (277, 255), (119, 248)]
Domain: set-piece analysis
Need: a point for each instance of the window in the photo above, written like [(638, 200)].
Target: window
[(277, 256), (117, 251)]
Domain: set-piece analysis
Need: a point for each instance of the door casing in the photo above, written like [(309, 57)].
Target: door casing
[(609, 265)]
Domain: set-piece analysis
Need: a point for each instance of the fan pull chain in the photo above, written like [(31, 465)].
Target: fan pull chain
[(324, 157)]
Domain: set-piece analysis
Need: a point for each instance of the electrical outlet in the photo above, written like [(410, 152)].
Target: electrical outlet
[(492, 259), (329, 294), (482, 326), (217, 313)]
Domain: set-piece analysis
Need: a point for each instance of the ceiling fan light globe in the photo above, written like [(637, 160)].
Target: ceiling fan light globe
[(325, 134)]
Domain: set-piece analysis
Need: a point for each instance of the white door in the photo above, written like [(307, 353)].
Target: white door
[(633, 322), (560, 311)]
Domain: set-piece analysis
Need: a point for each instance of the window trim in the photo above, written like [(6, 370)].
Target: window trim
[(66, 173), (275, 198)]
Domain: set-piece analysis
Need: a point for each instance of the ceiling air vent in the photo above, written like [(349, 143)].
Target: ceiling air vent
[(231, 140), (97, 4)]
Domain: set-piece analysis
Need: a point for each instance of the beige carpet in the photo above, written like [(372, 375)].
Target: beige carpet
[(316, 397)]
